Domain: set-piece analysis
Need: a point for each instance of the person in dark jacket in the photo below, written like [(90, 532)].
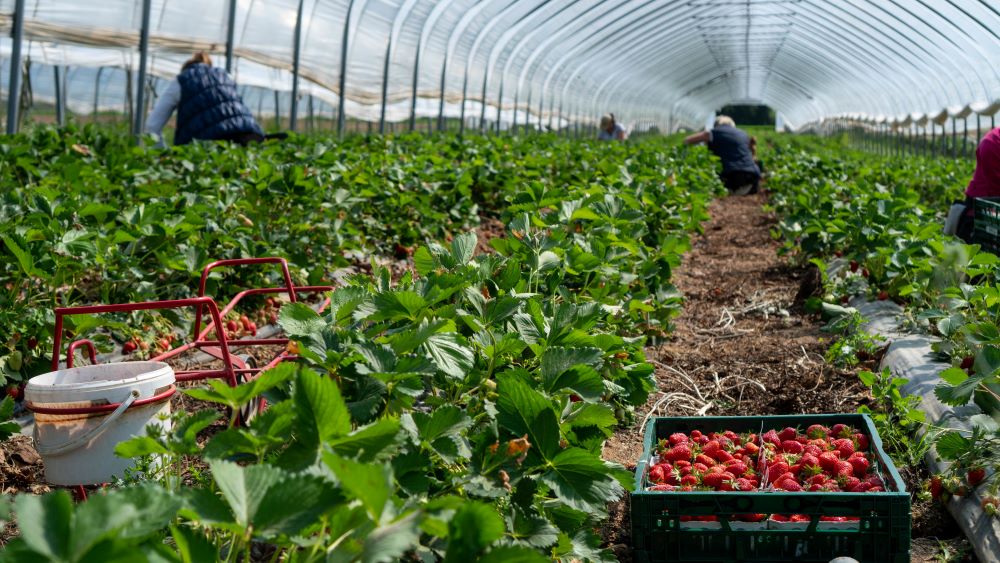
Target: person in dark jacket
[(740, 173), (208, 107)]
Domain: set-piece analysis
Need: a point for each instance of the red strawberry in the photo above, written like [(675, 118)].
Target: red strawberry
[(723, 456), (704, 460), (678, 438), (689, 480), (854, 266), (788, 485), (232, 326), (771, 437), (862, 442), (883, 295), (976, 476), (715, 480), (788, 434), (841, 431), (828, 461), (695, 434), (699, 467), (967, 362), (751, 449), (743, 484), (860, 465), (776, 470), (658, 473), (751, 517), (129, 347), (711, 448), (851, 483), (792, 447), (736, 467), (935, 487), (812, 449), (844, 446), (817, 431), (844, 468), (864, 272), (679, 453)]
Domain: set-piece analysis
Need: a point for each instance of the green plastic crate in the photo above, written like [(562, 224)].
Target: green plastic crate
[(986, 231), (882, 535)]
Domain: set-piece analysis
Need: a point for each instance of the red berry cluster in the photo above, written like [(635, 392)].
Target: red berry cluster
[(821, 459)]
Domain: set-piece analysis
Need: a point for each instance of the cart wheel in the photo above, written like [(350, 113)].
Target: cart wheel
[(251, 409)]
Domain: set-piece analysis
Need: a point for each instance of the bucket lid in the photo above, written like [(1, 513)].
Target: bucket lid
[(108, 382)]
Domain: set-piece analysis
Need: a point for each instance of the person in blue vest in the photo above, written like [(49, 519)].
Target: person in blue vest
[(208, 105), (740, 172)]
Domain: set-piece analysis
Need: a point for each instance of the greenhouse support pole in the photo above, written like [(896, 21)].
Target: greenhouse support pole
[(413, 92), (979, 127), (954, 137), (933, 145), (277, 111), (14, 84), (385, 87), (499, 104), (342, 83), (230, 36), (293, 115), (965, 135), (97, 92), (140, 102), (60, 100), (461, 113)]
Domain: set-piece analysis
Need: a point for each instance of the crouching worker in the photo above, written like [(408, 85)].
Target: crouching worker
[(985, 183), (740, 173), (208, 107)]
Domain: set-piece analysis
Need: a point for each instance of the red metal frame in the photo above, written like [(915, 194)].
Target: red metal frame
[(91, 351), (220, 347)]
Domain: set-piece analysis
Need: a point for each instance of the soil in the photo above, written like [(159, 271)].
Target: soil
[(744, 346)]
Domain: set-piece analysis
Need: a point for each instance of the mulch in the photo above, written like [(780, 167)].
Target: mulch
[(744, 346)]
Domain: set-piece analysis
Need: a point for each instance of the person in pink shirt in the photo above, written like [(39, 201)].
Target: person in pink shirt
[(985, 180)]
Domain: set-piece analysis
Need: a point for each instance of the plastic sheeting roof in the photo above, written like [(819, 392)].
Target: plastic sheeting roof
[(671, 62)]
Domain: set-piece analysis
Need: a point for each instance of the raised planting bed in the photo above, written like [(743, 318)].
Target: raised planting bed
[(770, 516)]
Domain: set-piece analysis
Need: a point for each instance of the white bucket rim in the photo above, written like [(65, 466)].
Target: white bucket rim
[(147, 377)]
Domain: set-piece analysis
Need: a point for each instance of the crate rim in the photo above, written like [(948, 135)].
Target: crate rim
[(874, 439)]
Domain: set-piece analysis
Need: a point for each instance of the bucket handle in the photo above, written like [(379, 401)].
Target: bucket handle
[(91, 434)]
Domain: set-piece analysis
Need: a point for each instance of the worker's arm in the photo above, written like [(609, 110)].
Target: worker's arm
[(697, 138), (164, 107)]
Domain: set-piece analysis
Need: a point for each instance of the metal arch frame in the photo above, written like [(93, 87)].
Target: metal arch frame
[(397, 25), (494, 53), (929, 55), (960, 29), (530, 66), (480, 36), (425, 31), (854, 56), (344, 53), (869, 40), (824, 65), (524, 41), (541, 48), (453, 37), (503, 44), (855, 46)]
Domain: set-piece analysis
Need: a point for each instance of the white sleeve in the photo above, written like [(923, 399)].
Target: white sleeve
[(709, 137), (161, 112)]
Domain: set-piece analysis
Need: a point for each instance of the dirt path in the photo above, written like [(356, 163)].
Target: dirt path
[(741, 346)]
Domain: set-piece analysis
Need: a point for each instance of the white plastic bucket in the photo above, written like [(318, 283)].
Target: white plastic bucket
[(82, 413)]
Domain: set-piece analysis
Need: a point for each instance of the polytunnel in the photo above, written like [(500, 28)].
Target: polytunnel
[(502, 64)]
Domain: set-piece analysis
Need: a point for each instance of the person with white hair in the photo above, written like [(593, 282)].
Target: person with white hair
[(611, 130), (740, 172)]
